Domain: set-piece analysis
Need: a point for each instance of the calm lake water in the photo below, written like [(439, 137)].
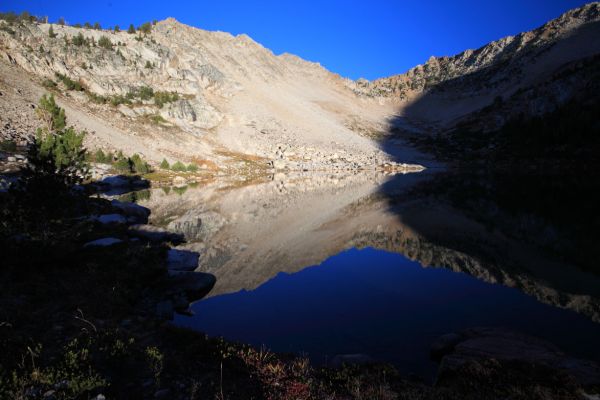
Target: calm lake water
[(326, 265)]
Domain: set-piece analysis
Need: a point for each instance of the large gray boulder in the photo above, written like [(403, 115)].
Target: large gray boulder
[(182, 260), (195, 285)]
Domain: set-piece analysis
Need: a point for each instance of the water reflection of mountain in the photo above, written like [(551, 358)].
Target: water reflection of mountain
[(246, 234)]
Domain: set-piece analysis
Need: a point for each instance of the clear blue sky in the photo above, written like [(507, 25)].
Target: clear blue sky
[(370, 39)]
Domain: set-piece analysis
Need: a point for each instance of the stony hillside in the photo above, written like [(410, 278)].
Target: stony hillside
[(187, 94), (183, 92), (445, 89)]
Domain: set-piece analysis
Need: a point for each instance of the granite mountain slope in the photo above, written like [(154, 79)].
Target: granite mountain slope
[(241, 106)]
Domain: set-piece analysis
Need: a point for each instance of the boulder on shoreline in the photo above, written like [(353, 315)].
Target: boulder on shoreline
[(134, 211), (480, 344), (154, 233), (195, 285), (182, 260)]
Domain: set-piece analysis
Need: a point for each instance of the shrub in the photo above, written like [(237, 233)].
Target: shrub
[(105, 43), (119, 99), (148, 65), (145, 28), (192, 168), (49, 84), (157, 119), (76, 25), (78, 40), (57, 147), (96, 98), (160, 98), (145, 93), (139, 165), (69, 83), (10, 17), (178, 166), (51, 32), (131, 29), (102, 158), (65, 147), (164, 164), (123, 164)]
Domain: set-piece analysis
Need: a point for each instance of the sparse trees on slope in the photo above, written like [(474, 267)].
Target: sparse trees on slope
[(105, 43), (145, 28), (57, 150), (52, 116)]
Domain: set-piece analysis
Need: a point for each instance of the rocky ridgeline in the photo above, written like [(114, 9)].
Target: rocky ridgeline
[(498, 63), (530, 74)]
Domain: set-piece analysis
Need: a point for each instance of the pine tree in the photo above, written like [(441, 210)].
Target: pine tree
[(192, 168), (164, 164), (99, 156), (51, 32), (56, 149), (52, 116), (131, 29), (145, 28), (178, 166)]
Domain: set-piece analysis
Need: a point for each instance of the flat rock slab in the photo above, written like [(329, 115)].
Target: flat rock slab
[(182, 260), (104, 242), (111, 219)]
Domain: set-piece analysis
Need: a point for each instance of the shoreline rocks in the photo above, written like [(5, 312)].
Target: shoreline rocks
[(457, 350)]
